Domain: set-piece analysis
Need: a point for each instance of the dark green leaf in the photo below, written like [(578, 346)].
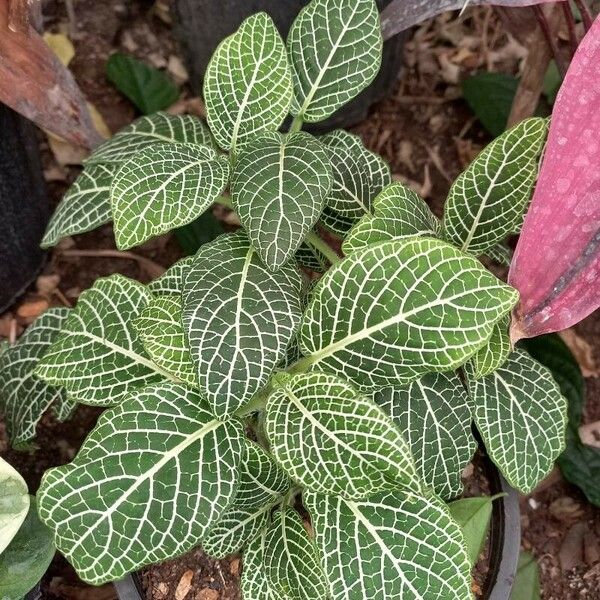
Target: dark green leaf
[(204, 229)]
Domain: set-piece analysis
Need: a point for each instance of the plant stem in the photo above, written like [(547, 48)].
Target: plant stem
[(551, 41), (296, 124), (570, 19), (586, 14), (224, 201), (312, 239), (255, 404)]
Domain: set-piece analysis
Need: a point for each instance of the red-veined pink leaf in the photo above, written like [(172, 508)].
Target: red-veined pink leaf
[(557, 261), (402, 14)]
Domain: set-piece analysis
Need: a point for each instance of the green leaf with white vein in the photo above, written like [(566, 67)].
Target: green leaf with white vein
[(489, 200), (494, 354), (147, 131), (163, 187), (171, 281), (254, 584), (98, 357), (161, 331), (333, 440), (521, 415), (279, 187), (501, 254), (435, 416), (239, 318), (393, 545), (248, 84), (398, 213), (358, 175), (14, 503), (85, 206), (291, 563), (149, 482), (397, 310), (335, 52), (336, 223), (23, 397)]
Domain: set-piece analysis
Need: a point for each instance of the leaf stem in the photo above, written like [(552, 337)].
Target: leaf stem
[(586, 14), (256, 403), (296, 124), (224, 201), (312, 239)]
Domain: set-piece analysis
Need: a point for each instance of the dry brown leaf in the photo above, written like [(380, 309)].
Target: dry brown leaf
[(582, 351), (184, 585)]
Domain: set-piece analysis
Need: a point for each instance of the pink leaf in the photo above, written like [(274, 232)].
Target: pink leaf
[(557, 261)]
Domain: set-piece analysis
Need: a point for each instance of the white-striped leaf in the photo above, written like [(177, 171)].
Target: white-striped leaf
[(23, 397), (253, 583), (393, 545), (312, 259), (161, 331), (149, 130), (149, 482), (488, 201), (239, 318), (521, 415), (171, 281), (98, 357), (85, 206), (291, 563), (501, 254), (14, 503), (398, 213), (358, 175), (335, 223), (248, 84), (279, 187), (397, 310), (435, 416), (163, 187), (494, 354), (335, 52), (333, 440)]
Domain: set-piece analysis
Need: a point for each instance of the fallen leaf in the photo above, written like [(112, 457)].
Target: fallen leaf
[(184, 585), (582, 351), (61, 45)]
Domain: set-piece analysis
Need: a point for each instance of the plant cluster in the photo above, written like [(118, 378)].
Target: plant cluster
[(236, 390)]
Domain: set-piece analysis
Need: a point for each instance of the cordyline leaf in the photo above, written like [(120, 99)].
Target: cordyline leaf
[(557, 260), (163, 187), (279, 187), (248, 85), (522, 416), (291, 564), (23, 397), (398, 212), (435, 417), (147, 131), (335, 52), (488, 200), (149, 482), (85, 206), (14, 503), (171, 281), (333, 440), (399, 309), (253, 583), (98, 357), (37, 85), (402, 14), (393, 545), (239, 318), (494, 354)]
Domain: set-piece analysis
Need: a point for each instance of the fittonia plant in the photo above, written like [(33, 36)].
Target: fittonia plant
[(235, 390)]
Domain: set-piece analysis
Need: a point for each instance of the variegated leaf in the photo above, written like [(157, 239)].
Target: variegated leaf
[(164, 187), (171, 281), (336, 223), (23, 397), (14, 503), (358, 175), (398, 213), (239, 318), (291, 564), (397, 310), (435, 416), (494, 354), (98, 357), (151, 479), (248, 84), (146, 131), (393, 545), (85, 206), (254, 584), (310, 258), (488, 201), (501, 254), (522, 416), (333, 440), (335, 52), (279, 187), (161, 331)]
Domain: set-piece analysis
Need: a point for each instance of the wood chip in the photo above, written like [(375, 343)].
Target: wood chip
[(234, 567), (570, 554), (207, 594), (162, 591), (590, 434), (184, 585), (32, 308)]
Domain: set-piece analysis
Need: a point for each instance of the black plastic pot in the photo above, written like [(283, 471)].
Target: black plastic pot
[(24, 209), (504, 545)]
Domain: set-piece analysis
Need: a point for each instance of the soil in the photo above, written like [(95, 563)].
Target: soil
[(428, 135)]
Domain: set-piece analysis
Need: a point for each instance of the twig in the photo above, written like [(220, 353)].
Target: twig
[(152, 268), (586, 14), (550, 40), (63, 298), (12, 334), (570, 19)]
